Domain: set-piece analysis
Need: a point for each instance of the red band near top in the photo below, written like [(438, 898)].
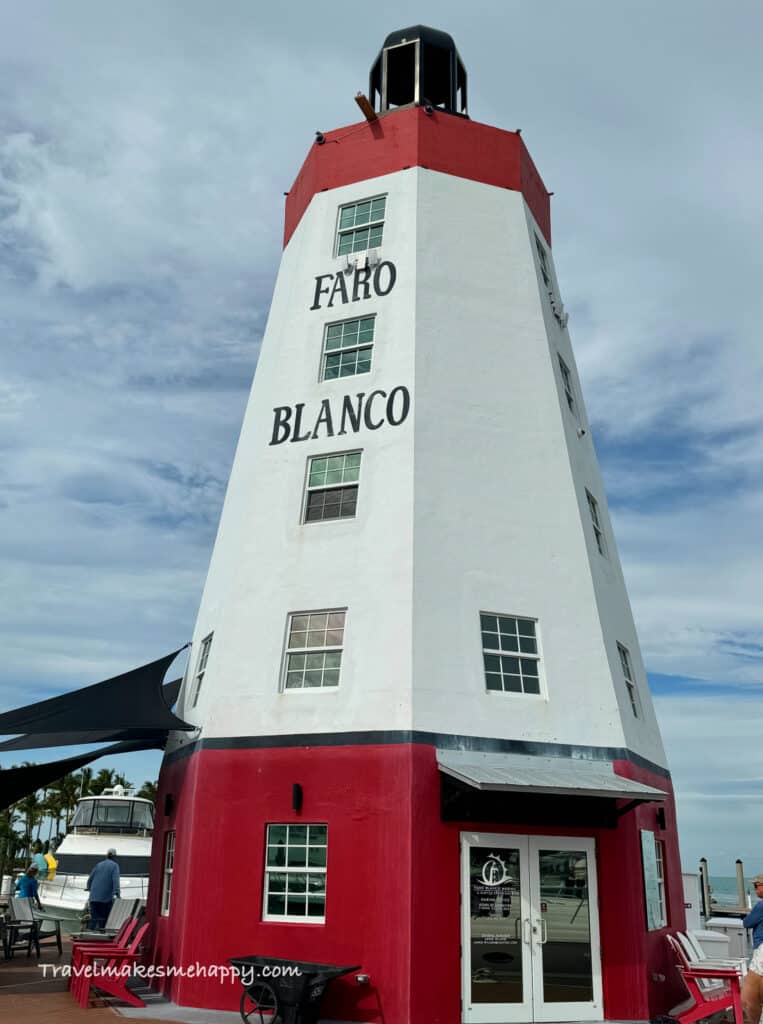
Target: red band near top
[(412, 138)]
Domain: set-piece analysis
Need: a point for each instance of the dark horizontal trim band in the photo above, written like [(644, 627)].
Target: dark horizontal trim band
[(445, 741), (83, 864)]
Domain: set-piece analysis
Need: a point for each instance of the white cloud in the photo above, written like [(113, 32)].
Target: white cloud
[(144, 152)]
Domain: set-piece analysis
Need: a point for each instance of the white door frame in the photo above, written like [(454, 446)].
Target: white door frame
[(533, 931)]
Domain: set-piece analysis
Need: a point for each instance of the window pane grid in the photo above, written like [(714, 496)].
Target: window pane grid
[(510, 654), (568, 389), (630, 684), (542, 261), (295, 872), (347, 348), (314, 650), (593, 508), (332, 487), (361, 225), (659, 850), (169, 866), (206, 645)]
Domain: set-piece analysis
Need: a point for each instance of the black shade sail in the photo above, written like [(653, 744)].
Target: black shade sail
[(40, 740), (16, 783), (131, 701)]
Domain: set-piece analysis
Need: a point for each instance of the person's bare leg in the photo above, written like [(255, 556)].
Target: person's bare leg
[(752, 997)]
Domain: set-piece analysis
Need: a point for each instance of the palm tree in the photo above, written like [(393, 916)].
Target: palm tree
[(66, 792), (30, 809), (85, 778), (105, 779), (148, 791)]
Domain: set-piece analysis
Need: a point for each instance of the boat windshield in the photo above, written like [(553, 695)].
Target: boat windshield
[(113, 816)]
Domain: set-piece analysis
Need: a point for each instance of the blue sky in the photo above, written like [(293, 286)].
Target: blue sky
[(144, 153)]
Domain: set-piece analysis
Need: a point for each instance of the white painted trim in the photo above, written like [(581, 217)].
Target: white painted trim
[(532, 1008)]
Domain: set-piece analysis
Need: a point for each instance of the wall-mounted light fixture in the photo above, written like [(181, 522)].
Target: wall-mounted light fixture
[(296, 797)]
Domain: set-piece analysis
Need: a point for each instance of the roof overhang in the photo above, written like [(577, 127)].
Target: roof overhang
[(523, 773)]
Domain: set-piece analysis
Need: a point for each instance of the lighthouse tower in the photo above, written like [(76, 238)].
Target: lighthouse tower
[(426, 744)]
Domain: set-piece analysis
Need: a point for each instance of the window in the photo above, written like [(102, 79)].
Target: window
[(630, 684), (543, 261), (360, 225), (201, 668), (314, 650), (653, 863), (169, 866), (347, 348), (510, 654), (593, 508), (569, 392), (295, 873), (659, 853), (332, 487)]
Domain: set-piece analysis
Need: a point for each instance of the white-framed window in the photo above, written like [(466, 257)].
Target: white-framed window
[(543, 262), (510, 653), (653, 863), (169, 866), (659, 856), (314, 643), (201, 668), (630, 682), (331, 490), (347, 348), (361, 225), (569, 391), (295, 873), (598, 532)]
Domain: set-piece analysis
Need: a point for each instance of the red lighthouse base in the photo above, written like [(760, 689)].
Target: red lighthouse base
[(394, 877)]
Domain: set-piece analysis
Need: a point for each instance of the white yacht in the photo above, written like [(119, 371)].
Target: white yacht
[(115, 818)]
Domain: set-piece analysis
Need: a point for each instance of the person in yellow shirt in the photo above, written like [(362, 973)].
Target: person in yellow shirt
[(52, 863)]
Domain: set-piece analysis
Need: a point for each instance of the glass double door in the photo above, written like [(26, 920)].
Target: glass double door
[(530, 948)]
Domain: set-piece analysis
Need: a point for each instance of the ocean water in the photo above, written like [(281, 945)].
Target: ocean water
[(724, 889)]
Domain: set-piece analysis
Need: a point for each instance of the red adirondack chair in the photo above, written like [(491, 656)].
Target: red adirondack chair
[(119, 942), (705, 999), (113, 966)]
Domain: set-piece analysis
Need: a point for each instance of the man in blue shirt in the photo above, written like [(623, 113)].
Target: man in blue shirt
[(27, 885), (103, 886), (752, 987)]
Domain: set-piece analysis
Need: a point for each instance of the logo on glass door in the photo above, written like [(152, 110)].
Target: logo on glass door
[(494, 871)]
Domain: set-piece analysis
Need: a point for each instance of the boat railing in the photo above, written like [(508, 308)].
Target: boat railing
[(123, 830), (55, 888)]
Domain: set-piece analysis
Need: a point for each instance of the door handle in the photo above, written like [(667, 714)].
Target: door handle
[(528, 930), (543, 931)]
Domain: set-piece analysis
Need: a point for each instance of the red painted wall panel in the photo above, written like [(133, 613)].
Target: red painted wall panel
[(393, 881), (412, 138)]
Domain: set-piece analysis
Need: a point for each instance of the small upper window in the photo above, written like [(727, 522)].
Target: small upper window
[(510, 653), (314, 649), (201, 668), (593, 508), (169, 867), (347, 348), (361, 226), (569, 391), (543, 261), (630, 683), (332, 487)]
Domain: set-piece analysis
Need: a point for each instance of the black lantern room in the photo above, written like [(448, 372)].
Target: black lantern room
[(418, 65)]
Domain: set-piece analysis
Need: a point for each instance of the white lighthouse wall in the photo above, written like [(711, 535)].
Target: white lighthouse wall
[(642, 733), (475, 503), (266, 563), (501, 518)]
